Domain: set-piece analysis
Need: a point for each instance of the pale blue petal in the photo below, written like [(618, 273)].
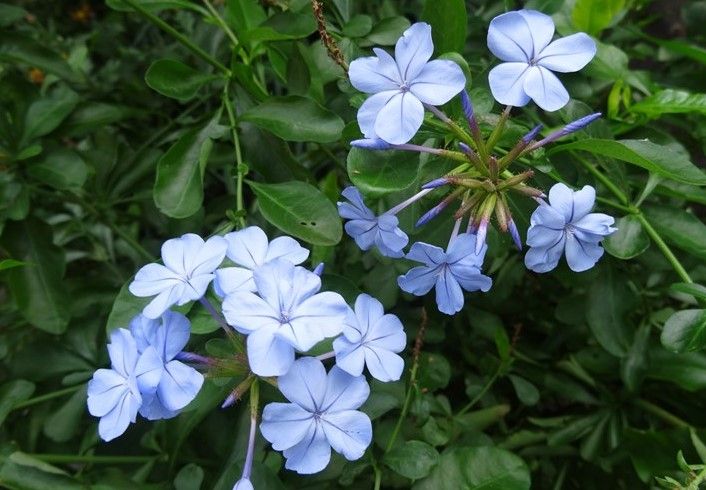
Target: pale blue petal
[(357, 208), (311, 455), (196, 288), (176, 252), (580, 255), (305, 383), (350, 356), (426, 254), (105, 390), (348, 432), (470, 278), (387, 333), (449, 296), (597, 224), (344, 392), (247, 312), (544, 259), (519, 35), (568, 54), (143, 330), (419, 280), (304, 284), (541, 236), (284, 425), (152, 409), (179, 385), (163, 301), (463, 247), (383, 364), (364, 232), (374, 74), (438, 82), (369, 111), (286, 248), (545, 89), (321, 315), (561, 199), (115, 422), (122, 350), (541, 29), (400, 118), (231, 280), (507, 83), (413, 50), (390, 237), (243, 484), (208, 257), (148, 371), (268, 354), (548, 216), (152, 279), (368, 311), (583, 202), (247, 247)]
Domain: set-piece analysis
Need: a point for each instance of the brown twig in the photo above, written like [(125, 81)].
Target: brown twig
[(328, 41)]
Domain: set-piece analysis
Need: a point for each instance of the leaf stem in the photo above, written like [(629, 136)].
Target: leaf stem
[(240, 167), (662, 413), (89, 458), (222, 24), (603, 179), (669, 255), (483, 391), (47, 396), (186, 42)]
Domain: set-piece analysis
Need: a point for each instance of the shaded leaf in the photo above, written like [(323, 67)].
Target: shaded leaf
[(176, 79), (685, 331)]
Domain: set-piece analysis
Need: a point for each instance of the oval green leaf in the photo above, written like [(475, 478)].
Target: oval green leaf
[(685, 331), (629, 241), (175, 79), (680, 228), (413, 459), (380, 172), (301, 210), (296, 118)]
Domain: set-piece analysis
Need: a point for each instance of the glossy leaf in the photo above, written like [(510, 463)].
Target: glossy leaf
[(696, 290), (680, 228), (670, 101), (606, 306), (629, 241), (448, 19), (381, 172), (176, 79), (685, 331), (301, 210), (12, 393), (125, 307), (592, 16), (413, 459), (61, 169), (296, 118), (45, 114)]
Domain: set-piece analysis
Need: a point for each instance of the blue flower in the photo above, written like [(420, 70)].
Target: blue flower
[(188, 268), (249, 249), (322, 415), (115, 395), (372, 338), (178, 383), (566, 224), (287, 314), (451, 271), (401, 85), (243, 484), (523, 39), (367, 229)]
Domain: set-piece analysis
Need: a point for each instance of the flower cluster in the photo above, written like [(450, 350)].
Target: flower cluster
[(279, 307), (482, 181)]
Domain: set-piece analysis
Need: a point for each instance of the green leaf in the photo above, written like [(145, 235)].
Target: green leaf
[(175, 79), (633, 366), (87, 118), (38, 288), (23, 472), (592, 16), (687, 370), (296, 118), (189, 477), (413, 459), (476, 468), (448, 19), (156, 5), (244, 15), (685, 331), (44, 115), (10, 263), (696, 290), (18, 48), (9, 14), (670, 101), (63, 422), (680, 228), (358, 26), (12, 393), (526, 391), (682, 191), (387, 31), (125, 307), (62, 169), (301, 210), (282, 26), (381, 172), (629, 241), (607, 303), (178, 187), (643, 153)]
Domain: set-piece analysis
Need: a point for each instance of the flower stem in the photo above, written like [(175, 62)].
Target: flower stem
[(662, 413), (483, 391), (222, 24), (603, 179), (666, 251), (455, 128), (254, 403), (240, 166), (185, 41), (47, 396), (216, 316), (89, 458), (327, 355), (497, 131)]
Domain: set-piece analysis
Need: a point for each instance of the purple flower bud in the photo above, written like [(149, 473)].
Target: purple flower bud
[(436, 183), (432, 213), (514, 233), (193, 357), (230, 400), (371, 144), (465, 148), (580, 123), (526, 139), (319, 269), (467, 105)]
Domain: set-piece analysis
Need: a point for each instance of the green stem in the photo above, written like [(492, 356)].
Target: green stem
[(76, 458), (613, 204), (603, 179), (47, 396), (222, 24), (186, 42), (405, 406), (498, 130), (483, 391), (669, 255), (700, 478), (240, 167), (378, 477), (662, 413)]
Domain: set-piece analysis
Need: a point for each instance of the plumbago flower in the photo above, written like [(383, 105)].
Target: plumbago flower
[(287, 314), (402, 85), (523, 40), (371, 338), (567, 225), (322, 415), (249, 248), (189, 265), (115, 395), (449, 272), (178, 383)]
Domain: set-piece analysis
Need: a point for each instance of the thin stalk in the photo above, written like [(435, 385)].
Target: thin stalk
[(88, 458), (222, 24), (696, 482), (47, 396), (405, 407), (216, 316), (666, 251), (238, 155), (185, 41), (603, 179), (668, 417), (498, 130), (483, 391), (327, 355), (613, 204), (455, 128)]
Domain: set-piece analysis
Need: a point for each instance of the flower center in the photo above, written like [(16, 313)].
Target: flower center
[(404, 87), (285, 316)]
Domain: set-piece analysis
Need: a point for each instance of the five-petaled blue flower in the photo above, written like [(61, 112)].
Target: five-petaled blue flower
[(287, 314), (566, 224), (188, 268), (459, 267), (372, 338), (249, 249), (401, 85), (323, 415), (523, 40), (367, 229), (115, 395), (178, 383)]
